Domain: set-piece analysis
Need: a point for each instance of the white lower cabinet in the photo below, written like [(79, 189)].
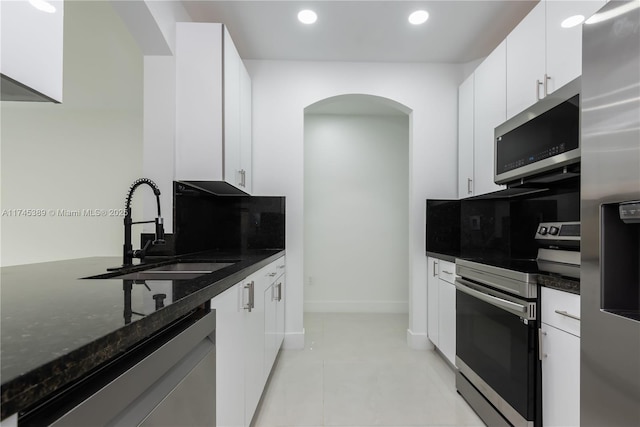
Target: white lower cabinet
[(273, 322), (441, 307), (447, 320), (229, 357), (560, 378), (247, 342), (254, 341), (560, 350), (433, 284)]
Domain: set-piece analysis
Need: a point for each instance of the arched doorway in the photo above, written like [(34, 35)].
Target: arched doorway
[(356, 205)]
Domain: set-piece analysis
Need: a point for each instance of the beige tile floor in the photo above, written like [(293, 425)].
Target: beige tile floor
[(356, 370)]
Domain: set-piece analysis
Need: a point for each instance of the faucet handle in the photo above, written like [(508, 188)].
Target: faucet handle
[(159, 240), (141, 253)]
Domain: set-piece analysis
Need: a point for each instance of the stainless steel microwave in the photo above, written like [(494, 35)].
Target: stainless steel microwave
[(544, 137)]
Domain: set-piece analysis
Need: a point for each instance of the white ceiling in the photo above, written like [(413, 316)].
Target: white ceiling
[(376, 31)]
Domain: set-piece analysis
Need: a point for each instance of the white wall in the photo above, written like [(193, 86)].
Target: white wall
[(356, 203), (82, 154), (281, 91)]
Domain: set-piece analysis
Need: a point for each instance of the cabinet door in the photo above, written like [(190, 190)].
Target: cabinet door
[(254, 340), (560, 378), (230, 358), (526, 61), (280, 326), (32, 50), (432, 300), (447, 320), (199, 102), (231, 96), (246, 138), (564, 45), (465, 138), (270, 326), (490, 110)]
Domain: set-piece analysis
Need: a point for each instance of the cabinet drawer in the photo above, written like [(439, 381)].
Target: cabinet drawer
[(447, 271), (560, 309)]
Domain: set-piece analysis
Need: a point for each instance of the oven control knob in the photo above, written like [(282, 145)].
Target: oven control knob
[(542, 231), (553, 230)]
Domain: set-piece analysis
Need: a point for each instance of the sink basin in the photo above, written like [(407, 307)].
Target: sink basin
[(175, 271), (190, 267)]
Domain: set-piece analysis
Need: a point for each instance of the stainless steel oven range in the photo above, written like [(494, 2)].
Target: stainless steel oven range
[(497, 340)]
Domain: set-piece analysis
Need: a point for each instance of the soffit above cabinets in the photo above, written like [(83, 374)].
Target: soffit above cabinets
[(373, 31)]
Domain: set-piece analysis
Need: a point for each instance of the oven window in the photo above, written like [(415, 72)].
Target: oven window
[(492, 346), (500, 348)]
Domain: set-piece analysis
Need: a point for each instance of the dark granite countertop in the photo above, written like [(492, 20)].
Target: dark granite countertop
[(559, 283), (57, 327), (445, 257)]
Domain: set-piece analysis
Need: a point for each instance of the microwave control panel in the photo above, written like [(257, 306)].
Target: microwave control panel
[(630, 212)]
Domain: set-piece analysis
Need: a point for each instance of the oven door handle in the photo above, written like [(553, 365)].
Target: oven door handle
[(521, 310)]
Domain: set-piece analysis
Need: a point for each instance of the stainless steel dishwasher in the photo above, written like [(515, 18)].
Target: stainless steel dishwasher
[(174, 384)]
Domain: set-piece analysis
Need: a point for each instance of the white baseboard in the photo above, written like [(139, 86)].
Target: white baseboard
[(418, 341), (293, 340), (356, 307)]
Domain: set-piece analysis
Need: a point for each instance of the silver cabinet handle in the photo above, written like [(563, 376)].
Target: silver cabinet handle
[(252, 295), (564, 313), (541, 355), (546, 85), (251, 304), (246, 306), (279, 291), (243, 178), (281, 266), (448, 272), (538, 84), (272, 274), (469, 185), (435, 268)]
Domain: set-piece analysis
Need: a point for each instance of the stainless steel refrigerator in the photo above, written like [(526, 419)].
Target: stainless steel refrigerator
[(610, 215)]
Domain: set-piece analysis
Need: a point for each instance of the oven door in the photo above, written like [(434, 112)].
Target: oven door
[(496, 348)]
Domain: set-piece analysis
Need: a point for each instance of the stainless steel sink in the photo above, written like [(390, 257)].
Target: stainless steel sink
[(175, 271), (191, 267)]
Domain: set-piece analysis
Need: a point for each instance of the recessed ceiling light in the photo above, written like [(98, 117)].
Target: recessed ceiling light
[(307, 16), (572, 21), (419, 17), (43, 5)]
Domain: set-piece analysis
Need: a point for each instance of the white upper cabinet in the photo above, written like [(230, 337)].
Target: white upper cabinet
[(213, 107), (482, 107), (526, 61), (246, 134), (564, 45), (490, 110), (542, 54), (465, 138), (32, 47)]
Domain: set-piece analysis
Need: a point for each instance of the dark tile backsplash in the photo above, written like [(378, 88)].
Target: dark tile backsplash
[(443, 227), (498, 227), (205, 222)]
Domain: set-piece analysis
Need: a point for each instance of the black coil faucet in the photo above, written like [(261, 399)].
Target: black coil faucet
[(128, 253)]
